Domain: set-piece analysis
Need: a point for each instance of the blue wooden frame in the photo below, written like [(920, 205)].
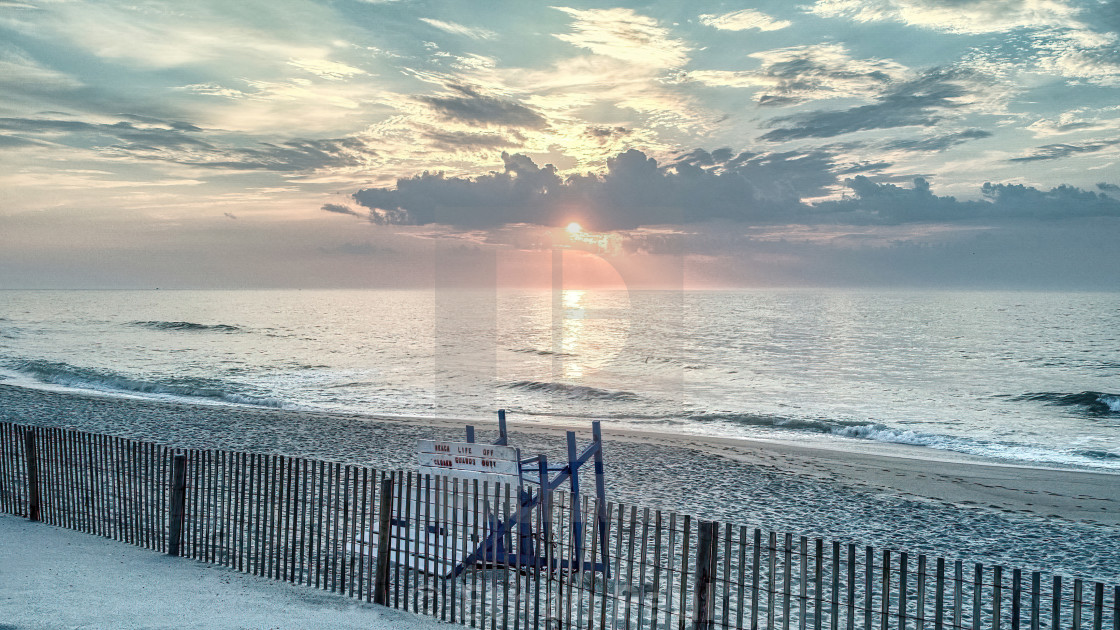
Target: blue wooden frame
[(527, 555)]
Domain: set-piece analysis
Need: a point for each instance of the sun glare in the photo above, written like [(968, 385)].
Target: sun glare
[(574, 228)]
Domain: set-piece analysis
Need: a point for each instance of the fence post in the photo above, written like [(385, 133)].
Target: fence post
[(381, 580), (178, 502), (704, 607), (31, 457)]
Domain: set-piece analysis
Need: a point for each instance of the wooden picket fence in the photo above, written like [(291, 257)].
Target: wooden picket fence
[(393, 537)]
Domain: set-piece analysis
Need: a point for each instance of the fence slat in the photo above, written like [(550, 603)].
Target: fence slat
[(178, 495), (31, 459), (885, 610), (903, 574), (1098, 606), (939, 597)]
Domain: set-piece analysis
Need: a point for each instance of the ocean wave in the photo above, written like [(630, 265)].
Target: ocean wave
[(1094, 403), (1034, 454), (66, 375), (1099, 454), (843, 428), (161, 325), (578, 392)]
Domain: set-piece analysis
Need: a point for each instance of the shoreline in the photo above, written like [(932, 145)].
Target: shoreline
[(912, 471), (951, 505)]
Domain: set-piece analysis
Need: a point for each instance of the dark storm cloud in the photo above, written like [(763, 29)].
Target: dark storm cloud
[(941, 142), (467, 105), (181, 143), (1061, 150), (702, 186), (914, 103), (1108, 187)]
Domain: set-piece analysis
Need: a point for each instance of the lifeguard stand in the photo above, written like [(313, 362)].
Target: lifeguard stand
[(498, 462)]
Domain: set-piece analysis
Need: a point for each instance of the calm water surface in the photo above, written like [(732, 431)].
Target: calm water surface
[(1028, 377)]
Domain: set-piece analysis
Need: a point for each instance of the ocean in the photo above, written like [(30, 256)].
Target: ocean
[(1028, 378)]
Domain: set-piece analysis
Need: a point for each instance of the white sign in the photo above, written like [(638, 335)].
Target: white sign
[(468, 449), (470, 460), (469, 463)]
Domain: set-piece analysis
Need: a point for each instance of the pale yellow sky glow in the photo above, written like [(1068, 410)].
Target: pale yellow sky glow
[(293, 142)]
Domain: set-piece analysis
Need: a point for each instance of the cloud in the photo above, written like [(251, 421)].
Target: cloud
[(939, 142), (1076, 120), (1062, 150), (159, 136), (459, 29), (293, 156), (788, 76), (182, 143), (7, 141), (338, 208), (888, 203), (633, 191), (956, 16), (326, 69), (1069, 39), (1017, 200), (465, 104), (924, 102), (458, 140), (19, 72), (1093, 60), (744, 20), (625, 35), (1108, 187), (701, 187)]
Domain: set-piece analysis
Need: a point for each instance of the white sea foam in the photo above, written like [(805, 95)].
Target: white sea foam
[(103, 381)]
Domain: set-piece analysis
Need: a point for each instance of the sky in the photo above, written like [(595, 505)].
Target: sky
[(899, 143)]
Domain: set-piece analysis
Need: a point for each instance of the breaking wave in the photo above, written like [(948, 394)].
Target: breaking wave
[(843, 428), (577, 392), (1093, 403), (882, 433), (67, 375), (160, 325)]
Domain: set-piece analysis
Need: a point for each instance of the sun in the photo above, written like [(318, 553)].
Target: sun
[(574, 228)]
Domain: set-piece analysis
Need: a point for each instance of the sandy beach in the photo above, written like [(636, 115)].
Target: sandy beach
[(896, 496)]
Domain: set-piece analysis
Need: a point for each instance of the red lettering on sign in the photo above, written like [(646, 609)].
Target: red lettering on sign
[(443, 448)]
